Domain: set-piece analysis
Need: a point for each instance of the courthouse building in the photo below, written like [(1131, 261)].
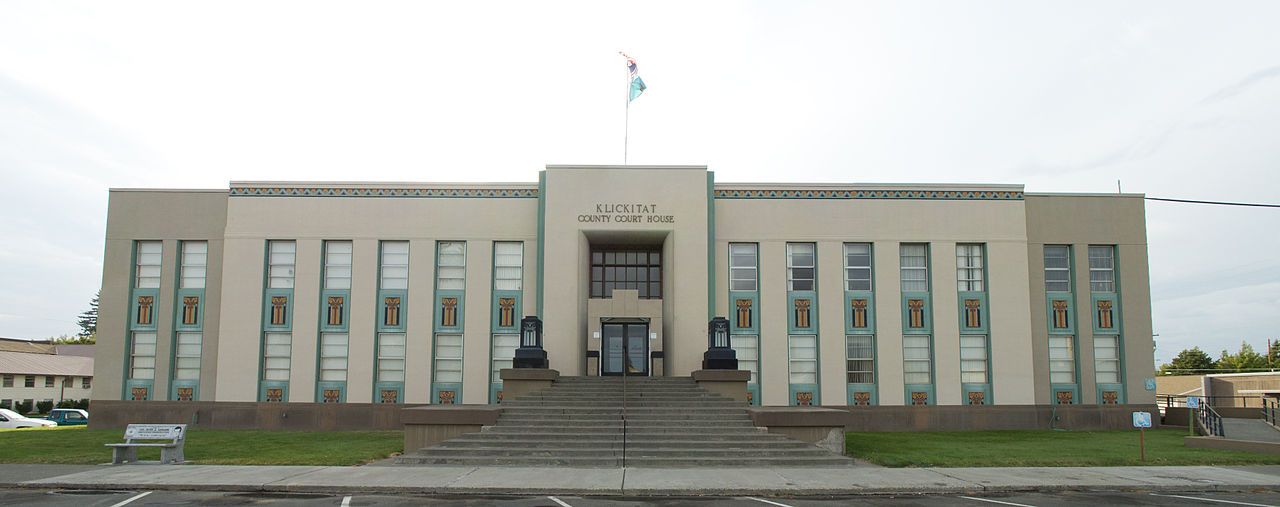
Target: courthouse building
[(836, 294)]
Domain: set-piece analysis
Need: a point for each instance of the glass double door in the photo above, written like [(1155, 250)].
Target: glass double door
[(624, 349)]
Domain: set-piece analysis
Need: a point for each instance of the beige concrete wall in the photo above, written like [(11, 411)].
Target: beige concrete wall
[(169, 216)]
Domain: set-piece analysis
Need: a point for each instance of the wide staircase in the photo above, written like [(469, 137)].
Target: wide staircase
[(590, 422)]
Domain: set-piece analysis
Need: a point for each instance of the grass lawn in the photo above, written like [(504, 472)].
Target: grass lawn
[(79, 445), (1037, 448)]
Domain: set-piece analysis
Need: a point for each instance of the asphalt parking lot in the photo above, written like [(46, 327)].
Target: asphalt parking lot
[(121, 498)]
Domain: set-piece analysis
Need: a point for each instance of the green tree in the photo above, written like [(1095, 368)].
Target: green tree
[(1192, 361), (1245, 360), (88, 320)]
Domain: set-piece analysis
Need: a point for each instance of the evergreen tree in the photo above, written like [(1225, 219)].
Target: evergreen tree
[(88, 321), (1246, 360), (1192, 361)]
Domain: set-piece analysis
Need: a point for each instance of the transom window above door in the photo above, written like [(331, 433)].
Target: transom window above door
[(639, 270)]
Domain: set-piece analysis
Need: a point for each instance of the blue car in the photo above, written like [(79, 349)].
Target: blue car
[(69, 416)]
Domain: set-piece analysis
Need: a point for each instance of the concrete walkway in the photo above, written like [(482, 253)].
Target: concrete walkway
[(636, 481), (1254, 430)]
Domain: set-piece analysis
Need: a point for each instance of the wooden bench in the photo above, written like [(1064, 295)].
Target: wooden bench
[(134, 434)]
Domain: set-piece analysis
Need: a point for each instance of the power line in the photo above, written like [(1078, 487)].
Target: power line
[(1220, 203)]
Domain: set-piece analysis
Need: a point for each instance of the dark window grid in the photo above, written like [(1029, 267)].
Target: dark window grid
[(30, 381), (639, 270)]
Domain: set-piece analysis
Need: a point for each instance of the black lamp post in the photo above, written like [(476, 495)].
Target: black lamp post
[(530, 354), (718, 355)]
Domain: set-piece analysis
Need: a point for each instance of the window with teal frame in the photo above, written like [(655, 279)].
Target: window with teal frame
[(975, 337), (392, 305), (506, 305), (1108, 342), (144, 301), (1060, 310), (277, 320), (450, 306), (802, 325), (917, 324), (335, 305), (189, 321), (744, 309), (860, 326)]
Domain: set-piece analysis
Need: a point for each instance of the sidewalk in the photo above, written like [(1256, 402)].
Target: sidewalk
[(637, 481)]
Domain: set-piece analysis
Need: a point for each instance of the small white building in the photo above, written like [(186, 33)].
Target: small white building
[(41, 371)]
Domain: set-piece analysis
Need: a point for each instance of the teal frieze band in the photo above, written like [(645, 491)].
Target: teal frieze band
[(871, 194), (383, 192)]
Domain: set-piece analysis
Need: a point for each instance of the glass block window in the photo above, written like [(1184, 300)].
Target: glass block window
[(147, 268), (337, 264), (333, 357), (508, 265), (187, 356), (742, 267), (969, 268), (1106, 358), (916, 359), (194, 259), (1102, 269), (393, 271), (275, 356), (857, 266), (914, 266), (504, 352), (639, 270), (747, 349), (142, 359), (973, 359), (1057, 268), (391, 354), (451, 265), (800, 266), (1062, 360), (860, 367), (448, 367), (803, 359), (280, 259)]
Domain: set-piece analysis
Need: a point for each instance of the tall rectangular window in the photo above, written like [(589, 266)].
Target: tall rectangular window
[(1062, 359), (638, 270), (800, 266), (142, 359), (451, 265), (508, 265), (1057, 268), (803, 360), (742, 267), (391, 353), (748, 353), (394, 272), (969, 268), (187, 356), (194, 259), (147, 268), (1102, 269), (280, 259), (973, 359), (275, 356), (333, 357), (861, 350), (448, 367), (504, 352), (1106, 363), (916, 359), (337, 264), (857, 266), (914, 266)]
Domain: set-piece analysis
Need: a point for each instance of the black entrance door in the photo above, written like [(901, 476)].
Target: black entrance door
[(624, 349)]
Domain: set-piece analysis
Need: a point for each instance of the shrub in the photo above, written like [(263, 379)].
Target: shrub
[(22, 407), (82, 403), (44, 406), (67, 404)]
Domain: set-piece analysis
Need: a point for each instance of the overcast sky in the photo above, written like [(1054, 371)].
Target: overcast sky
[(1175, 99)]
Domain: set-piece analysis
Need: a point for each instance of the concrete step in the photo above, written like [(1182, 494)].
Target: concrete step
[(638, 403), (584, 430), (584, 462), (617, 452), (617, 443), (605, 418), (631, 437)]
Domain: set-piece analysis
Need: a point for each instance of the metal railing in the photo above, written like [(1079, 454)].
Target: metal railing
[(1270, 409), (1209, 421), (1167, 401)]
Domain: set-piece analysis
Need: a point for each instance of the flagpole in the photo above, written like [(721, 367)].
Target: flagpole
[(626, 122)]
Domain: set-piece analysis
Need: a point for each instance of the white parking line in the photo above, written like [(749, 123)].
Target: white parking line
[(1205, 499), (995, 501), (135, 497), (766, 501), (346, 501), (559, 501)]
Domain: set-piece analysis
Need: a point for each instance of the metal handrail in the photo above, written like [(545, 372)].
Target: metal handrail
[(1209, 421), (1270, 409)]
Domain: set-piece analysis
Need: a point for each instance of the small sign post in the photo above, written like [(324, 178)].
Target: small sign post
[(1142, 421), (1193, 402)]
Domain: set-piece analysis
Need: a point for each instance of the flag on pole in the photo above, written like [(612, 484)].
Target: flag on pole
[(637, 84)]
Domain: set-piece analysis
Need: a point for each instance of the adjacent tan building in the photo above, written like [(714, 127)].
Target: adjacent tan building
[(836, 294)]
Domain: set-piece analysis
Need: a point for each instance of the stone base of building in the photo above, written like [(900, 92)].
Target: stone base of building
[(995, 417)]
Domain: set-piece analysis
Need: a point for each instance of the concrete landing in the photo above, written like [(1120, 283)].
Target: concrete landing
[(1253, 430)]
